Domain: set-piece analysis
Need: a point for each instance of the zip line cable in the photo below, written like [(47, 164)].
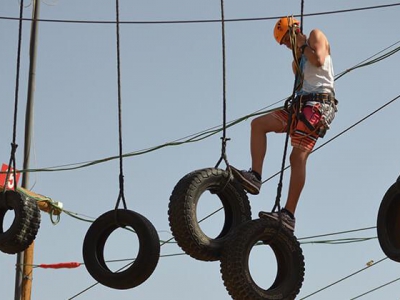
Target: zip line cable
[(202, 135), (204, 21), (336, 233), (368, 61), (344, 278), (377, 288)]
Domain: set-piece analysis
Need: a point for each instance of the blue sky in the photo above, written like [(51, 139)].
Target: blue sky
[(171, 84)]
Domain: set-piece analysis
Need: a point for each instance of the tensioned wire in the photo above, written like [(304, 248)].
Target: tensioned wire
[(204, 21), (344, 278)]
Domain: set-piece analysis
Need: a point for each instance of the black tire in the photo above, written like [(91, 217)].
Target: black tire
[(26, 223), (388, 223), (183, 207), (289, 257), (147, 258)]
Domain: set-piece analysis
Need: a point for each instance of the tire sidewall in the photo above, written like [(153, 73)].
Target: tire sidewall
[(147, 257), (235, 261), (388, 223), (183, 211)]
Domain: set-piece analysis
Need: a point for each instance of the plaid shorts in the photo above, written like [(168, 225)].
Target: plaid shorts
[(301, 136)]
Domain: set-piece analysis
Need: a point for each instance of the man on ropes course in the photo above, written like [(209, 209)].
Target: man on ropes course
[(305, 117)]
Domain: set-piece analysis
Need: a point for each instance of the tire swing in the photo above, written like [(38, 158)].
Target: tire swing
[(145, 262), (135, 273), (235, 260), (182, 211), (388, 222), (25, 225)]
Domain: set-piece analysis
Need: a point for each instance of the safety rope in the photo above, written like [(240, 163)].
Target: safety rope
[(121, 195), (290, 107), (11, 164), (301, 16), (223, 138)]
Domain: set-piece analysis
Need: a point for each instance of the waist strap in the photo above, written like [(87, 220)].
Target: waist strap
[(322, 98)]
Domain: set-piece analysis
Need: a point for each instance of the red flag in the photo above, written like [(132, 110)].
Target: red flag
[(11, 180)]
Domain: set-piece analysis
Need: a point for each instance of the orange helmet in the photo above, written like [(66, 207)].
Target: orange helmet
[(282, 26)]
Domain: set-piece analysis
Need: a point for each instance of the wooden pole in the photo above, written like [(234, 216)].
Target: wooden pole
[(27, 257), (26, 288)]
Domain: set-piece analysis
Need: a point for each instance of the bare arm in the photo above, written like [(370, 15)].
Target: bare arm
[(318, 47)]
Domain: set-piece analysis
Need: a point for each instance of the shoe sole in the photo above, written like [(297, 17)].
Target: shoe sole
[(276, 218), (252, 189)]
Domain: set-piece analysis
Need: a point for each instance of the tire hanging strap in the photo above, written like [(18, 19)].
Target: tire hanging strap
[(121, 195), (289, 105), (14, 146), (223, 138)]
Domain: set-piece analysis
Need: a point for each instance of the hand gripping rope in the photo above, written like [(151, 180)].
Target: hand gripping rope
[(183, 218), (146, 261)]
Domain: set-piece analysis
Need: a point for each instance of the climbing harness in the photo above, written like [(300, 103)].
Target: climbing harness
[(149, 243), (316, 111)]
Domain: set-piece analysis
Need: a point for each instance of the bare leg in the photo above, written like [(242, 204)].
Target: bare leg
[(298, 160), (258, 139)]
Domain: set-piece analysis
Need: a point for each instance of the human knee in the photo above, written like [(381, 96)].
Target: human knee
[(263, 124), (298, 157)]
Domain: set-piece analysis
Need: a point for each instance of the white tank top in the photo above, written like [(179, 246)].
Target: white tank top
[(317, 79)]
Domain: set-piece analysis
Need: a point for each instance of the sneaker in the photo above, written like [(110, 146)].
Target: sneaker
[(287, 220), (248, 180)]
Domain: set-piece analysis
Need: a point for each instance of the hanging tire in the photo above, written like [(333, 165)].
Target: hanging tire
[(144, 264), (25, 225), (183, 211), (235, 268), (388, 223)]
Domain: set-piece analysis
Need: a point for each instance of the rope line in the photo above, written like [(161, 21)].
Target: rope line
[(336, 233), (290, 106), (224, 139), (121, 195), (301, 15), (204, 21), (14, 146)]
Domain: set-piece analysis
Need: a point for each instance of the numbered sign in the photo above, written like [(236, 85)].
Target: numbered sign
[(11, 180)]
